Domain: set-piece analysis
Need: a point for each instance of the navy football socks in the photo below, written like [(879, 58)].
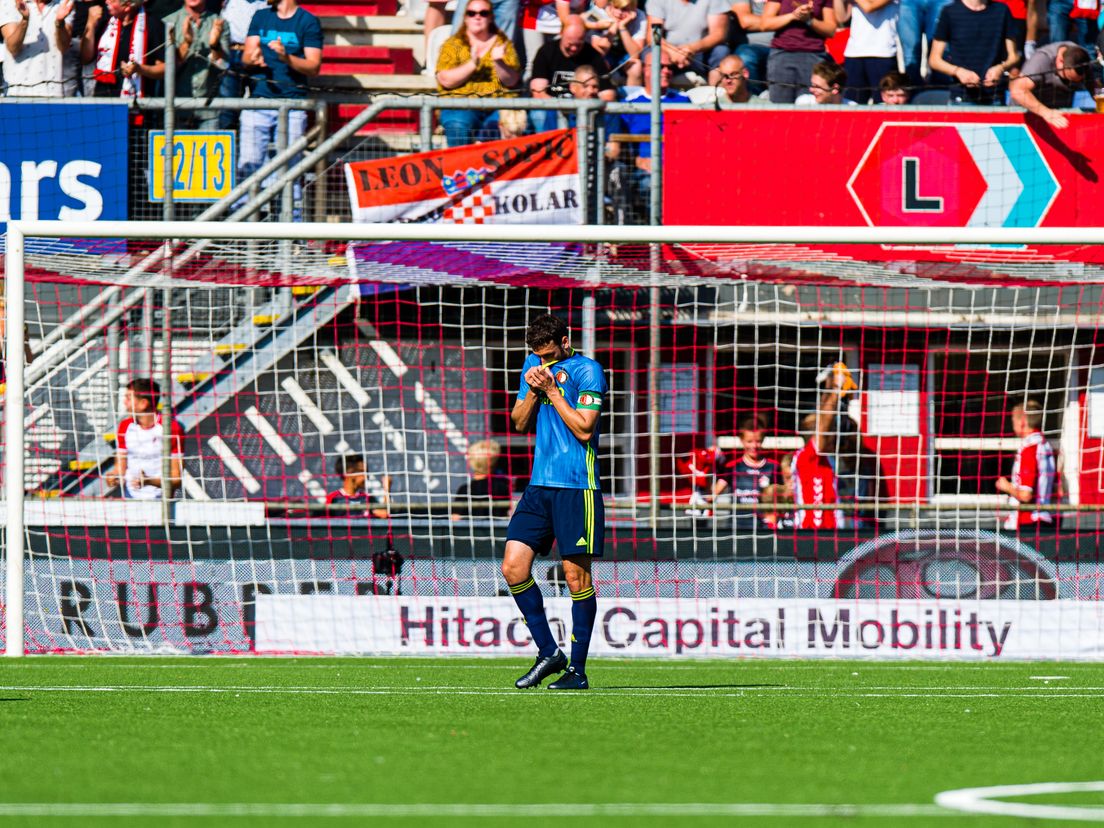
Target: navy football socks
[(584, 608), (530, 601)]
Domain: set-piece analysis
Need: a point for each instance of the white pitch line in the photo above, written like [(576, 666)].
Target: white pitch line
[(304, 401), (236, 466), (985, 801), (429, 690), (347, 380), (465, 809), (270, 435)]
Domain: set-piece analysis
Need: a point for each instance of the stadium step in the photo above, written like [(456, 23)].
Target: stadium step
[(331, 8), (391, 120), (366, 60)]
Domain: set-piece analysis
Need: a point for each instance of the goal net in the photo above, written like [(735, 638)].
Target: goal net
[(812, 444)]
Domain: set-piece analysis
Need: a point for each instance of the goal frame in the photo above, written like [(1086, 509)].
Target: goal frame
[(15, 271)]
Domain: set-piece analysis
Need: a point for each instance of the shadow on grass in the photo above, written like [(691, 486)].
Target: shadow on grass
[(687, 686)]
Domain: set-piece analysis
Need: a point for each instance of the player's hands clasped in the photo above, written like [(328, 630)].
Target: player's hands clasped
[(540, 378)]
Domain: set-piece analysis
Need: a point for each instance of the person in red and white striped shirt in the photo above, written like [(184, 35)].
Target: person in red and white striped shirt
[(1034, 472)]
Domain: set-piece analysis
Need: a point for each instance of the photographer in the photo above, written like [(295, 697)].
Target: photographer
[(554, 68)]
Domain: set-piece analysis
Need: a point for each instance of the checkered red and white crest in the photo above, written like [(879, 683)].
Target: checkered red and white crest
[(474, 208)]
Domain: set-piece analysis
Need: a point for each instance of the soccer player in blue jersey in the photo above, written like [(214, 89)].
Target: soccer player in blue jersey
[(562, 392)]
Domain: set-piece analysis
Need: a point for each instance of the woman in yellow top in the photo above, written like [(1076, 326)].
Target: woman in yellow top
[(476, 62)]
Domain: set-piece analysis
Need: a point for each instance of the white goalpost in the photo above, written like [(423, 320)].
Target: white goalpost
[(284, 352)]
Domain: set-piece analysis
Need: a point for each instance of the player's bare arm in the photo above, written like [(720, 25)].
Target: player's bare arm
[(117, 473), (839, 383), (1020, 493), (524, 412)]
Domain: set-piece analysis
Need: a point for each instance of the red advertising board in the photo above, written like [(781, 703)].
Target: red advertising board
[(882, 167)]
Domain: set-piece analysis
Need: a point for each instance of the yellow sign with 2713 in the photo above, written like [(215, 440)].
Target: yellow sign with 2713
[(202, 166)]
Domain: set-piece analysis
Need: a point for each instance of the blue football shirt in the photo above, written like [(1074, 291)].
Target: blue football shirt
[(560, 460)]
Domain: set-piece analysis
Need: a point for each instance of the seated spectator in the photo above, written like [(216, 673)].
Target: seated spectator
[(478, 62), (801, 31), (894, 89), (584, 86), (871, 50), (826, 86), (554, 67), (977, 35), (641, 123), (126, 47), (203, 46), (623, 40), (139, 443), (754, 43), (694, 34), (486, 494), (235, 80), (733, 79), (353, 473), (814, 467), (1048, 80), (36, 35)]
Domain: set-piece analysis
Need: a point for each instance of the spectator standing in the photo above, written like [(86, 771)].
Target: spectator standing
[(695, 33), (554, 68), (917, 20), (238, 14), (754, 46), (139, 443), (126, 47), (203, 46), (814, 468), (871, 51), (283, 48), (1049, 79), (36, 35), (802, 29), (973, 44), (476, 62), (1067, 21), (893, 89), (733, 79), (1034, 471)]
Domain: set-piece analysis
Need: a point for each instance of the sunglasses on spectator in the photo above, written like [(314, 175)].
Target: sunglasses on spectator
[(478, 13), (732, 76)]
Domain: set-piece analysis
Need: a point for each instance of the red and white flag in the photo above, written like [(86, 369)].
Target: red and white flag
[(528, 180)]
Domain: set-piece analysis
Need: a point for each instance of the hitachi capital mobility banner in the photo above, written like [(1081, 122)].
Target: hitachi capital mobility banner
[(667, 627), (527, 180)]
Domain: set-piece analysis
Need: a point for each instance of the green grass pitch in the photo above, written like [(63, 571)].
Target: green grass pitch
[(250, 742)]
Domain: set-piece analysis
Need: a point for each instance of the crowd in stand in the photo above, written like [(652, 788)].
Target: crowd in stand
[(980, 52)]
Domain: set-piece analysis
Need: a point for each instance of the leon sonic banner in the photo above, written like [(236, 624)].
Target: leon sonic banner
[(528, 180)]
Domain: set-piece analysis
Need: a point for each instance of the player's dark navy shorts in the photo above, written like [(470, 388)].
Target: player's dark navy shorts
[(573, 518)]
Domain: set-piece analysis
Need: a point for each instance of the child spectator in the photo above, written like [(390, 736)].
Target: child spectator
[(139, 444), (353, 473), (894, 89)]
